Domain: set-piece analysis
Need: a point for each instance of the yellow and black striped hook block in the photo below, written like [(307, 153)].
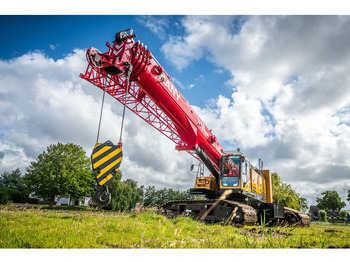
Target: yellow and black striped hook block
[(106, 159)]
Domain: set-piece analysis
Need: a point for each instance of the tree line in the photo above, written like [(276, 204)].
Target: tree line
[(284, 194), (64, 170)]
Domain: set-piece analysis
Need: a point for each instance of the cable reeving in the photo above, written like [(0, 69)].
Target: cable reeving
[(99, 123), (128, 74)]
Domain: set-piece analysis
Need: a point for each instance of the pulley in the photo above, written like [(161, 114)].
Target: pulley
[(93, 56), (106, 157)]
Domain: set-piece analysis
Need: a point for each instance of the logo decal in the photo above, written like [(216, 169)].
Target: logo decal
[(172, 89), (118, 49)]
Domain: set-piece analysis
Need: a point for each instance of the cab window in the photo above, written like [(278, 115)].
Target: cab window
[(230, 166)]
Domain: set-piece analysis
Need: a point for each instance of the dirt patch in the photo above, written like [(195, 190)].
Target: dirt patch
[(337, 246), (329, 230), (21, 205)]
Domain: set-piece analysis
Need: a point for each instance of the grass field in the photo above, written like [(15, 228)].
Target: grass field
[(79, 228)]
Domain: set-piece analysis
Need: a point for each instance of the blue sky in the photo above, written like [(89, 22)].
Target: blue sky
[(275, 86), (65, 32), (58, 35)]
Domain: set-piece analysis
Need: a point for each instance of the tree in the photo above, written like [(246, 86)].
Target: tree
[(125, 194), (330, 200), (63, 170), (284, 194), (3, 197), (343, 214), (153, 197), (12, 180), (13, 186), (348, 196)]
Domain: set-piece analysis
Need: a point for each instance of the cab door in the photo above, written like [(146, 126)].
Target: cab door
[(245, 174)]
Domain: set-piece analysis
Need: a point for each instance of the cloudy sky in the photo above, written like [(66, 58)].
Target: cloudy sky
[(278, 87)]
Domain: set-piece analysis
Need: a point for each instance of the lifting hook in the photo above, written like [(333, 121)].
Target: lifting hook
[(97, 197)]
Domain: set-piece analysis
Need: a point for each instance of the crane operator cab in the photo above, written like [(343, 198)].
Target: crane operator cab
[(239, 175)]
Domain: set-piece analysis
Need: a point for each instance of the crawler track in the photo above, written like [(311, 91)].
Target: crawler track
[(245, 214), (296, 217)]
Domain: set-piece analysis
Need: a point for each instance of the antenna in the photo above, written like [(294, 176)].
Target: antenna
[(261, 164)]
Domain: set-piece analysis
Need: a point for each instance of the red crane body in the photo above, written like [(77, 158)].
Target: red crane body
[(129, 73), (151, 88)]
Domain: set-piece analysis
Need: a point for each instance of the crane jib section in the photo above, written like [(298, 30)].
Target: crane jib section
[(152, 95)]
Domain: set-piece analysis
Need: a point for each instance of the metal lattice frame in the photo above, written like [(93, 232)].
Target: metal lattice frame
[(137, 101)]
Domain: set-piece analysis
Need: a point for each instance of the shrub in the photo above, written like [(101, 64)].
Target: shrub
[(3, 197), (343, 214), (14, 195), (323, 217)]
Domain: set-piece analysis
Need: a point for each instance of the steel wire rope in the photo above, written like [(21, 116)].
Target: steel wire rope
[(99, 123), (128, 74)]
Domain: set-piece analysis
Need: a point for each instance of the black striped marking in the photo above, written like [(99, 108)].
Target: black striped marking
[(106, 159)]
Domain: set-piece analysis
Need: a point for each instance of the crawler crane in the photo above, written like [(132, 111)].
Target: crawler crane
[(131, 74)]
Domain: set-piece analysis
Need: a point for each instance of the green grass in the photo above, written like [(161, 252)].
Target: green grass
[(79, 228)]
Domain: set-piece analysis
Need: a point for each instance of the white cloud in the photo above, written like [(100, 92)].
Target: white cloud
[(177, 83), (45, 101), (11, 155), (238, 120), (291, 90), (289, 104), (157, 24)]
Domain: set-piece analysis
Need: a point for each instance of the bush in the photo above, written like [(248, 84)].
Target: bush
[(3, 197), (343, 214), (323, 217), (14, 195)]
